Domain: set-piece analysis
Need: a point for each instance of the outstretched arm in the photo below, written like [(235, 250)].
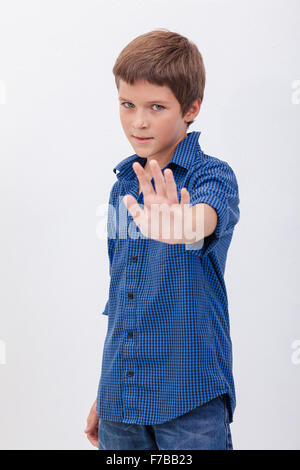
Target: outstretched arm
[(164, 218)]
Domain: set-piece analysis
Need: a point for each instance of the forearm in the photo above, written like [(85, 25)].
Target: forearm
[(200, 223)]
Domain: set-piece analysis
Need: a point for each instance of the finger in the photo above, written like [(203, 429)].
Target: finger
[(185, 196), (171, 186), (93, 440), (93, 433), (145, 182), (133, 206), (91, 424), (88, 427), (159, 179)]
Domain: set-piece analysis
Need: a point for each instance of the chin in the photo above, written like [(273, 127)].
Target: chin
[(140, 154)]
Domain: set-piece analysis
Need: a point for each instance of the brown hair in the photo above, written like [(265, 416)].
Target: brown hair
[(163, 57)]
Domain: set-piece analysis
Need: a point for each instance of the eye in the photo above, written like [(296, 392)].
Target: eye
[(159, 106), (126, 102)]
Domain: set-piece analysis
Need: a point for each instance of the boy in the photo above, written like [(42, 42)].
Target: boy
[(166, 380)]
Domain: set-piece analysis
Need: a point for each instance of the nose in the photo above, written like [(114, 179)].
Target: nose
[(140, 121)]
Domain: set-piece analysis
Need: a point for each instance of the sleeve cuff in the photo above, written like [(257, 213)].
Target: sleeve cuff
[(105, 312), (205, 245)]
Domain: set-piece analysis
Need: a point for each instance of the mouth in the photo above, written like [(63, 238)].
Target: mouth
[(142, 139)]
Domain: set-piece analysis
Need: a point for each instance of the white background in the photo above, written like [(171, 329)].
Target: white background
[(60, 139)]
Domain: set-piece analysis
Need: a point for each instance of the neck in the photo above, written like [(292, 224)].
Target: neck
[(163, 160)]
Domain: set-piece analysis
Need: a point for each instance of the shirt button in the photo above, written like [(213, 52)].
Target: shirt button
[(130, 296), (133, 258), (130, 373), (129, 334)]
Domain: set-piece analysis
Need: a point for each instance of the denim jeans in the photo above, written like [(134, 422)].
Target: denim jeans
[(205, 427)]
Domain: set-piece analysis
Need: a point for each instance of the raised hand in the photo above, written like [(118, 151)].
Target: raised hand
[(163, 218)]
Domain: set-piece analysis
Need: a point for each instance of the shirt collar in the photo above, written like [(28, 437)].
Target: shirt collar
[(183, 155)]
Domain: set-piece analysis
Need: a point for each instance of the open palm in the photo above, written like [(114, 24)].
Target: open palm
[(163, 217)]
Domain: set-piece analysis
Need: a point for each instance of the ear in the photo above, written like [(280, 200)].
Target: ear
[(193, 111)]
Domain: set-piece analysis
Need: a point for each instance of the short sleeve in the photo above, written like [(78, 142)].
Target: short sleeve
[(112, 224), (105, 311), (215, 184)]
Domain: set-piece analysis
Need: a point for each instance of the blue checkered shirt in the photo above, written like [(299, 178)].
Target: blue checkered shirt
[(168, 348)]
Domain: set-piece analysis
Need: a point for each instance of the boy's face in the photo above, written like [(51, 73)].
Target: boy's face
[(148, 110)]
